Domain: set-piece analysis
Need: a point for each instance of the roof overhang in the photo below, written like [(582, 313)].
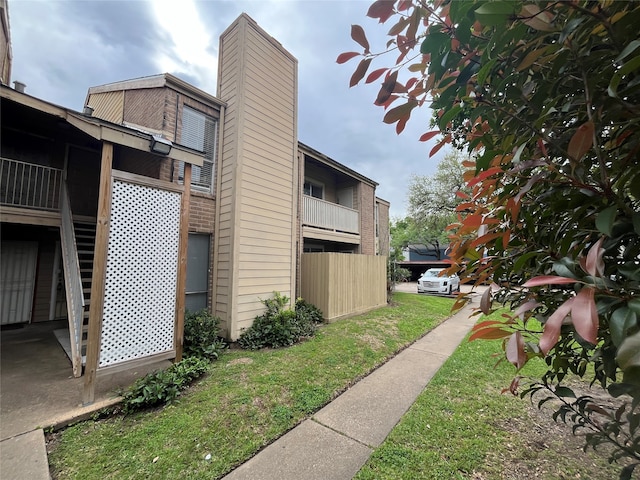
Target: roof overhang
[(330, 162), (100, 129), (158, 81)]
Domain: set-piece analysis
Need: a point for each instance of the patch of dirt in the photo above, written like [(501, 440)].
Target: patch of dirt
[(240, 361), (373, 341), (545, 449)]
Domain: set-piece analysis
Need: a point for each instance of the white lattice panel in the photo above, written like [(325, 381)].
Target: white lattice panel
[(142, 265)]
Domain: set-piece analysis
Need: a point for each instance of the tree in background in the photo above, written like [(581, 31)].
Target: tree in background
[(433, 200), (546, 96)]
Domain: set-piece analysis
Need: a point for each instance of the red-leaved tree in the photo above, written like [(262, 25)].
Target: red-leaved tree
[(546, 96)]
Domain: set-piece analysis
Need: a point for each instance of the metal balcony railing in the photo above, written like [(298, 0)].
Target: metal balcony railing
[(29, 185), (322, 214)]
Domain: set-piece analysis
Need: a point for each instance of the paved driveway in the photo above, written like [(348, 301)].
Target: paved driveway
[(412, 287)]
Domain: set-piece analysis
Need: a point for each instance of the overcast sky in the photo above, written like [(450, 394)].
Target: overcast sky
[(63, 47)]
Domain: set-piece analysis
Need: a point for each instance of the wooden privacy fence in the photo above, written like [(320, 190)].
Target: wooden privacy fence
[(342, 284)]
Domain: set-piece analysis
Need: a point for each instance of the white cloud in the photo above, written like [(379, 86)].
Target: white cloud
[(190, 52), (63, 47)]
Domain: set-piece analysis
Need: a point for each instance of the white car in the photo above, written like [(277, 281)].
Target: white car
[(432, 282)]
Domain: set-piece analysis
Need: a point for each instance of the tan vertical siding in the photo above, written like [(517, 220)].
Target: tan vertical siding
[(5, 44), (258, 80), (340, 284), (108, 105), (228, 70)]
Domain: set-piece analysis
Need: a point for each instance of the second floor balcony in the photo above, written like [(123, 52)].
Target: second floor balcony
[(329, 216), (29, 186)]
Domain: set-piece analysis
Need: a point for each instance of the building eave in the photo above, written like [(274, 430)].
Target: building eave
[(330, 162), (158, 81), (98, 128)]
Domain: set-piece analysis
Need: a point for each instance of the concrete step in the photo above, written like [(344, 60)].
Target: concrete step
[(24, 456)]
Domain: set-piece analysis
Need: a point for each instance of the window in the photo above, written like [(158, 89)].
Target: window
[(313, 189), (199, 132), (197, 288)]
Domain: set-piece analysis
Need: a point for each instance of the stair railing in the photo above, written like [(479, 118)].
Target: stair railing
[(73, 281)]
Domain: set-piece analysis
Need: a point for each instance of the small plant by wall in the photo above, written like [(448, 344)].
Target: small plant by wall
[(164, 386), (202, 345), (281, 327), (201, 335)]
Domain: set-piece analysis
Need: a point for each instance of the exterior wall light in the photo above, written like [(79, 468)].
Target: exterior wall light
[(160, 145)]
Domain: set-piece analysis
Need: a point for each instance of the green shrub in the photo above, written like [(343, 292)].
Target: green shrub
[(306, 311), (280, 327), (201, 335), (164, 386)]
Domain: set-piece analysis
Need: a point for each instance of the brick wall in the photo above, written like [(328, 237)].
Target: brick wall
[(367, 219), (201, 213), (202, 220), (383, 227), (145, 107)]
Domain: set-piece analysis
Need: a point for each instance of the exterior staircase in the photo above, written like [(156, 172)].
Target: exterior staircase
[(85, 234)]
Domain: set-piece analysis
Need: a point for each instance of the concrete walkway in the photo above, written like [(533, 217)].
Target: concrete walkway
[(337, 441)]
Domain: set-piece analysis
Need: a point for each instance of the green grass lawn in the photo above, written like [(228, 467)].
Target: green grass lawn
[(462, 427), (247, 400)]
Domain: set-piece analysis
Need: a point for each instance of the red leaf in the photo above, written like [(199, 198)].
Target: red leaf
[(552, 326), (484, 175), (399, 88), (387, 88), (346, 56), (400, 112), (515, 350), (459, 193), (404, 5), (429, 135), (376, 74), (483, 239), (389, 101), (485, 302), (513, 387), (361, 70), (594, 264), (489, 334), (401, 124), (357, 33), (584, 315), (442, 143), (410, 83), (526, 307), (398, 27), (542, 147), (548, 280), (581, 141), (506, 236), (381, 9), (473, 220), (485, 324)]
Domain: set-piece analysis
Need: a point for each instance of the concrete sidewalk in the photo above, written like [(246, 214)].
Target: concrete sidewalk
[(337, 441)]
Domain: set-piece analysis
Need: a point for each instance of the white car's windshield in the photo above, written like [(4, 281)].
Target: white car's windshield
[(431, 273)]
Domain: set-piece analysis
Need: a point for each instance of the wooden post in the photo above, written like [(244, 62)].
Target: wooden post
[(181, 284), (98, 274)]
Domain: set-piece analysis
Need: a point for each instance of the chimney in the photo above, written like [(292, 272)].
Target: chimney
[(19, 86)]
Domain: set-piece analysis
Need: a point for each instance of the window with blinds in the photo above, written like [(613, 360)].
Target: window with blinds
[(199, 132)]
